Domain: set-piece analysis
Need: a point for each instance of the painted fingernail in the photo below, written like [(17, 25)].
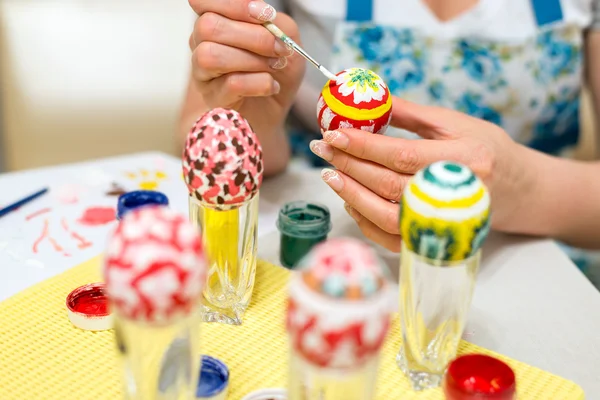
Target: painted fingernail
[(278, 63), (352, 212), (276, 87), (336, 139), (261, 11), (333, 179), (283, 49), (322, 149)]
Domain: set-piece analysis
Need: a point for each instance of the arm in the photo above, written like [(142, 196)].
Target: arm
[(567, 205), (562, 200)]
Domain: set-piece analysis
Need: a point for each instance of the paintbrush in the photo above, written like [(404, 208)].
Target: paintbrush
[(21, 202), (278, 33)]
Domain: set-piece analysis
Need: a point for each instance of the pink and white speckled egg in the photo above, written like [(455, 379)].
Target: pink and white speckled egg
[(222, 160), (155, 266)]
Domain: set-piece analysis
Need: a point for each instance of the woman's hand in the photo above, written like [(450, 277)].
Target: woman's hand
[(372, 170), (237, 63)]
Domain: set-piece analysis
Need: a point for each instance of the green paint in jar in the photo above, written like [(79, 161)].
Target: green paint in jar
[(302, 226)]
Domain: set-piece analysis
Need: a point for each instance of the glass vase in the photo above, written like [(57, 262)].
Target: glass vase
[(159, 362), (308, 382), (435, 298), (230, 240)]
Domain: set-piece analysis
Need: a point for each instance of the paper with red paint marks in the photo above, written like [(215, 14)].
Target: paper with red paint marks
[(53, 221), (73, 222), (94, 216)]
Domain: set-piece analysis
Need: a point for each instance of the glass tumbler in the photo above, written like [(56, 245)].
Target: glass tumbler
[(230, 241), (435, 298)]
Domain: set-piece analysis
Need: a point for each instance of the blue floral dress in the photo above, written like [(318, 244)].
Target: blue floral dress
[(531, 88)]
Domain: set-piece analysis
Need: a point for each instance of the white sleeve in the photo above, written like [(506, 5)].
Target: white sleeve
[(595, 25)]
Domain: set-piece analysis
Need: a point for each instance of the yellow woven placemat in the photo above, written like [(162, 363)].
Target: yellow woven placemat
[(43, 356)]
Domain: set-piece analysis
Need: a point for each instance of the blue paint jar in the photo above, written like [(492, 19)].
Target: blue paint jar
[(139, 198), (302, 226), (213, 383)]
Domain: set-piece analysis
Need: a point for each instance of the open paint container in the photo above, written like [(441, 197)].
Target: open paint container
[(302, 226), (478, 376), (214, 380), (139, 198), (87, 307)]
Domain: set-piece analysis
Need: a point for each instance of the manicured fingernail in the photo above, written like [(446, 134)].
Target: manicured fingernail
[(261, 11), (276, 87), (352, 212), (333, 179), (336, 139), (283, 49), (278, 63), (322, 149)]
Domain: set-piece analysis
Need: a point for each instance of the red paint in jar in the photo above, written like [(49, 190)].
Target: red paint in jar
[(477, 376), (90, 300)]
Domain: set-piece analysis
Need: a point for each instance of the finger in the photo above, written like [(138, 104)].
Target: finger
[(255, 11), (381, 212), (211, 27), (375, 177), (432, 122), (373, 232), (211, 60), (401, 155), (192, 42), (229, 89)]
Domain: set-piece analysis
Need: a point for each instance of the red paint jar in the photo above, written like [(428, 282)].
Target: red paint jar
[(477, 376), (87, 307)]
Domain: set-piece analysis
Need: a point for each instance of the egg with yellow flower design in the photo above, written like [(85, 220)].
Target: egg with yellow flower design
[(358, 98)]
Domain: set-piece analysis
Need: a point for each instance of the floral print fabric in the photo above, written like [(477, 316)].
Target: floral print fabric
[(531, 89)]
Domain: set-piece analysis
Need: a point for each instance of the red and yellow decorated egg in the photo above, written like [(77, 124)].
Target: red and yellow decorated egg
[(358, 98)]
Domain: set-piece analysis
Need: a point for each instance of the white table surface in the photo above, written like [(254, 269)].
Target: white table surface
[(531, 303)]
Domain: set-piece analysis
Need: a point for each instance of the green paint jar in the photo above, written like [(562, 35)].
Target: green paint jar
[(302, 225)]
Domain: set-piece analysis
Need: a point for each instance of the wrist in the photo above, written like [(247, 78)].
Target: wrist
[(539, 195), (552, 197), (514, 190), (524, 198), (573, 213)]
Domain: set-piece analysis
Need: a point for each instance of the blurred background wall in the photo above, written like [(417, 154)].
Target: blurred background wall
[(84, 79), (88, 78)]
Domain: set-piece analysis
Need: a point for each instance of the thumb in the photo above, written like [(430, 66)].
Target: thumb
[(428, 122)]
